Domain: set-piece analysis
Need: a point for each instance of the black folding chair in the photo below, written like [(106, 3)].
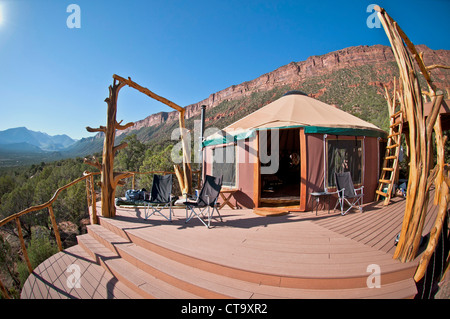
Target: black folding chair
[(160, 196), (206, 200), (347, 192)]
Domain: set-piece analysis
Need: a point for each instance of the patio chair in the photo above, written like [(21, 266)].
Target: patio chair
[(160, 196), (347, 192), (206, 200)]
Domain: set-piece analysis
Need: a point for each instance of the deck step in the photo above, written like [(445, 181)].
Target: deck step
[(353, 277), (206, 284), (274, 211), (50, 279), (164, 268), (139, 281), (247, 257)]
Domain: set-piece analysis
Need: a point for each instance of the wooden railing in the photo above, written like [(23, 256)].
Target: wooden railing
[(91, 201), (91, 196)]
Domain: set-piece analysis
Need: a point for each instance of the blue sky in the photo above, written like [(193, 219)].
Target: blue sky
[(54, 79)]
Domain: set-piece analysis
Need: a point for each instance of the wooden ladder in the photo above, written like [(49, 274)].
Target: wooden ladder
[(390, 163)]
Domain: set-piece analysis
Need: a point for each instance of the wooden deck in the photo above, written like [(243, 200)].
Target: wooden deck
[(298, 255)]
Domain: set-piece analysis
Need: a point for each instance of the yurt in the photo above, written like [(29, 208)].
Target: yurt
[(290, 148)]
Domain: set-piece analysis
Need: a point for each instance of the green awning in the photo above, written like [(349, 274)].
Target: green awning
[(219, 139)]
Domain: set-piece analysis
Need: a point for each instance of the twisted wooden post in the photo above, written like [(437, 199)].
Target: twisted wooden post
[(91, 198), (22, 244), (444, 195), (55, 228), (421, 127), (110, 179)]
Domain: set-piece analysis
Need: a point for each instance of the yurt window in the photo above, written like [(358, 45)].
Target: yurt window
[(224, 164), (344, 155)]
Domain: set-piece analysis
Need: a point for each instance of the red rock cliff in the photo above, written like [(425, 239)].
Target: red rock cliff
[(296, 72)]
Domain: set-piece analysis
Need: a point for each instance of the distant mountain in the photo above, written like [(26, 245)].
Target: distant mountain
[(19, 148), (85, 146), (15, 138)]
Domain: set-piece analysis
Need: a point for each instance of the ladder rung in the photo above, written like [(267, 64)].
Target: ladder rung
[(390, 157), (392, 146), (385, 181), (381, 193), (390, 169), (395, 134), (396, 113), (395, 124)]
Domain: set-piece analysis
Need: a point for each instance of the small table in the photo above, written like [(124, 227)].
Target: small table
[(317, 195), (226, 200)]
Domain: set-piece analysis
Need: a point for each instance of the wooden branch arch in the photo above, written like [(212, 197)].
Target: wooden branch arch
[(110, 179), (185, 176)]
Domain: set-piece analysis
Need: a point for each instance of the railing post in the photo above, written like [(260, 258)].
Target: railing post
[(93, 201), (24, 248), (88, 192), (55, 228)]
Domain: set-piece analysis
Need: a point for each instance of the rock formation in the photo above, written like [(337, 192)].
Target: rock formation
[(295, 73)]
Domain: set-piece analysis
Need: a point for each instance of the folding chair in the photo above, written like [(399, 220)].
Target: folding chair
[(206, 200), (160, 196), (347, 192)]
